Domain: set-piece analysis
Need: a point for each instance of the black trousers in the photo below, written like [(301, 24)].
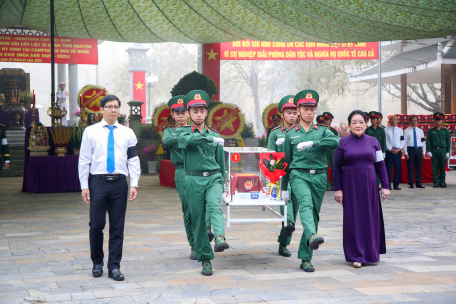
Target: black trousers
[(414, 164), (395, 159), (108, 196)]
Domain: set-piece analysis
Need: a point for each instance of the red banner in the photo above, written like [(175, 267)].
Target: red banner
[(139, 91), (211, 65), (16, 48), (266, 50)]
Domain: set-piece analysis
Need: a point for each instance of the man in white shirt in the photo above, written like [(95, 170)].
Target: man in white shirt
[(62, 97), (394, 146), (106, 149), (414, 151)]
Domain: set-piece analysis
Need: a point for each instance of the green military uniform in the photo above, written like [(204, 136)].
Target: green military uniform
[(4, 150), (274, 117), (292, 204), (204, 163), (170, 142), (438, 143), (380, 134), (306, 173), (330, 152)]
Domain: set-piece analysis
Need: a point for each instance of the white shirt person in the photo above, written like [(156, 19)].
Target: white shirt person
[(409, 139), (108, 152)]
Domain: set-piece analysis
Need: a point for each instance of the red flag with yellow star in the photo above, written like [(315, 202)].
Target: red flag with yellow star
[(139, 91), (211, 65)]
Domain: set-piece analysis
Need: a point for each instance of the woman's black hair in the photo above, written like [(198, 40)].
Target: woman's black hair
[(353, 113), (107, 98)]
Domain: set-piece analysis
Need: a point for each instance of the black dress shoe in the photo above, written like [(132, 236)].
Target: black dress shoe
[(116, 275), (397, 188), (435, 186), (444, 186), (97, 270), (288, 231), (420, 186), (411, 186)]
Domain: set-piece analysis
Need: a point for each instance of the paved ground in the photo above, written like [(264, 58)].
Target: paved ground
[(44, 254)]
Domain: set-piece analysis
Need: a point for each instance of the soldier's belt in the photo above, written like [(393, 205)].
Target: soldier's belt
[(179, 166), (208, 173), (319, 171)]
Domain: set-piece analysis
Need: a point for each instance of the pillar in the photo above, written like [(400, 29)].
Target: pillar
[(73, 99), (136, 115), (403, 87), (138, 68), (62, 77), (446, 88), (453, 88)]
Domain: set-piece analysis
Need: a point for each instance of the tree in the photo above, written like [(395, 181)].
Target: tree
[(194, 81), (427, 96)]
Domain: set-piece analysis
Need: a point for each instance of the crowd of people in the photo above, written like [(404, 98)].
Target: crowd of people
[(361, 163)]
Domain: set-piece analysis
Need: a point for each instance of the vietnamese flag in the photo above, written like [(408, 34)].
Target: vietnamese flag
[(139, 91)]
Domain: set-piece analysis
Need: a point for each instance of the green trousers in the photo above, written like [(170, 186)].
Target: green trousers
[(438, 160), (204, 194), (180, 186), (292, 210), (309, 189)]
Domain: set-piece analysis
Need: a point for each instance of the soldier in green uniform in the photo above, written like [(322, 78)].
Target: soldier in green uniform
[(367, 116), (179, 114), (305, 153), (276, 122), (380, 118), (320, 120), (438, 146), (275, 142), (328, 118), (376, 131), (4, 150), (204, 164)]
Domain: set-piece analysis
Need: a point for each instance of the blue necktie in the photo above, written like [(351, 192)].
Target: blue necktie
[(394, 138), (111, 162), (414, 138)]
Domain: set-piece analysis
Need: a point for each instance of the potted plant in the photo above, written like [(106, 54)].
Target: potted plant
[(76, 138), (149, 154)]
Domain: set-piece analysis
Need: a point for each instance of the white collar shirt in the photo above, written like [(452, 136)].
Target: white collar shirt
[(409, 142), (398, 141), (93, 154)]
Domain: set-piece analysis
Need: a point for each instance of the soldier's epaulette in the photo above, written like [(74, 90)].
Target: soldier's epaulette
[(290, 129), (276, 128), (321, 125), (2, 125), (382, 126), (213, 129)]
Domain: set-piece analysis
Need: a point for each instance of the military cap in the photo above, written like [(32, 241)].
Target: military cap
[(177, 103), (373, 114), (438, 115), (170, 117), (306, 98), (328, 115), (286, 102), (379, 114), (320, 119), (196, 98), (276, 116)]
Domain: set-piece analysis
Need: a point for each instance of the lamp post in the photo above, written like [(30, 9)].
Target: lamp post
[(151, 79)]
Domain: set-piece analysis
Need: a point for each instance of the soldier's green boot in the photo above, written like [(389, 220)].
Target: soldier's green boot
[(283, 251), (207, 268), (220, 243), (288, 231), (315, 241), (193, 253), (210, 235), (307, 266)]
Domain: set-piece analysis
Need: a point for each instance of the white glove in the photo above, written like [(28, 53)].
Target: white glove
[(224, 197), (429, 154), (280, 141), (448, 155), (304, 145), (219, 140), (285, 196)]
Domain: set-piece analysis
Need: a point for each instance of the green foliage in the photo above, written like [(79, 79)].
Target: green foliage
[(26, 97), (262, 141), (76, 136), (212, 104), (147, 131), (249, 131), (194, 81)]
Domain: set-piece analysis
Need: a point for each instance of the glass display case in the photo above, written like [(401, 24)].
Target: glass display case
[(246, 183), (452, 159)]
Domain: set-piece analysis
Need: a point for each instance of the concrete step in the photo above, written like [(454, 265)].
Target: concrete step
[(11, 173), (16, 158)]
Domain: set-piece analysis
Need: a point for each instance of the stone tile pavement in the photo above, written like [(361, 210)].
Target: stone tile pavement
[(44, 254)]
